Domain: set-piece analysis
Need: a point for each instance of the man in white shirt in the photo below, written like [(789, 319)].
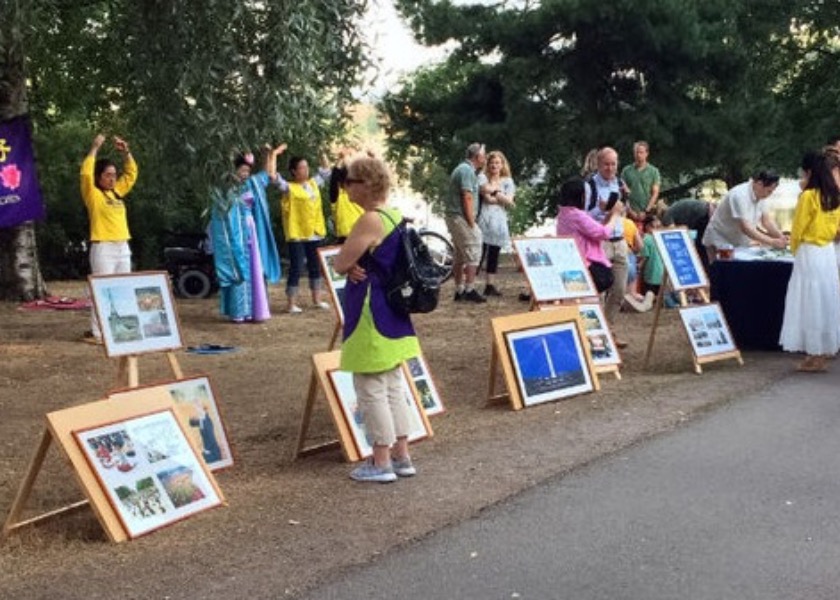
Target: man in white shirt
[(604, 183), (739, 214)]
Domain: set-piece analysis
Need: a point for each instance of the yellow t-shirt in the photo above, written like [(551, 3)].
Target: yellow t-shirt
[(811, 224), (630, 231), (345, 213), (303, 215), (106, 210)]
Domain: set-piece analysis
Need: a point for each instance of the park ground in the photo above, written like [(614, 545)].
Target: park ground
[(289, 524)]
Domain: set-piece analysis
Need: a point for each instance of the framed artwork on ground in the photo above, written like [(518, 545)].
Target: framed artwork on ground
[(425, 385), (148, 470), (136, 312), (335, 282), (707, 330), (685, 271), (543, 356), (550, 362), (554, 268), (601, 343), (197, 408)]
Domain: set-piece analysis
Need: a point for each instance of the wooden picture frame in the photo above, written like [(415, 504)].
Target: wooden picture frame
[(341, 398), (196, 407), (148, 470), (554, 268), (136, 312), (679, 256), (601, 343), (543, 356), (707, 330), (335, 282), (424, 383)]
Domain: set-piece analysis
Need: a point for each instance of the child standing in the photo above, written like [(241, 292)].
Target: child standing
[(651, 263), (812, 306)]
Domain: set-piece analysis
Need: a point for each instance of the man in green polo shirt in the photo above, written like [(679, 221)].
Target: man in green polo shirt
[(461, 210), (643, 180)]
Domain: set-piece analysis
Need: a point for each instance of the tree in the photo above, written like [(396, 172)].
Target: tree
[(20, 275), (188, 84), (699, 80)]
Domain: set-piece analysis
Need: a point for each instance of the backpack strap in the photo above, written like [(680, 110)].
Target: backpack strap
[(593, 194), (390, 218)]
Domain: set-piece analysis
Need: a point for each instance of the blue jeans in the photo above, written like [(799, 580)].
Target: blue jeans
[(298, 251)]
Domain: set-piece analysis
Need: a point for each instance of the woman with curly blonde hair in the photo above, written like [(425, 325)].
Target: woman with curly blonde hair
[(497, 192)]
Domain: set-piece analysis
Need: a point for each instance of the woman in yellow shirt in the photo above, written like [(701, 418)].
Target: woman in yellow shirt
[(303, 227), (812, 306), (103, 193)]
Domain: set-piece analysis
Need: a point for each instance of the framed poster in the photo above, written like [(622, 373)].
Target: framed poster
[(707, 330), (599, 337), (198, 411), (542, 356), (335, 282), (342, 386), (554, 268), (425, 385), (136, 313), (679, 256), (148, 470)]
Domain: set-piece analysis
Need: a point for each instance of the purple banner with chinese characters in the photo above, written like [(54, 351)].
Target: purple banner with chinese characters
[(20, 194)]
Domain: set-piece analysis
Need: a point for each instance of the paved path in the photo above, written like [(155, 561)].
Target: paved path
[(741, 504)]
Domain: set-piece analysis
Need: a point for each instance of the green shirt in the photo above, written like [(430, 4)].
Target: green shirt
[(641, 184), (653, 268), (464, 179)]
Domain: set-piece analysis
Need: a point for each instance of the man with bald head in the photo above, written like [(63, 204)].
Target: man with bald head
[(604, 183)]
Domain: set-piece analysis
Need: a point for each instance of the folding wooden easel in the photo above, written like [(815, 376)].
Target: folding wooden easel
[(59, 428), (683, 273), (558, 292)]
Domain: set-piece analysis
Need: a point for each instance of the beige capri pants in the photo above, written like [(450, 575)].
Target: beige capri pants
[(384, 406)]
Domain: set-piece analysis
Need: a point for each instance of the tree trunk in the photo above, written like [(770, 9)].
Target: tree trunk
[(20, 272)]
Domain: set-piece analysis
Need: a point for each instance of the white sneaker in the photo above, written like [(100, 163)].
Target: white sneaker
[(295, 310), (323, 305), (650, 298)]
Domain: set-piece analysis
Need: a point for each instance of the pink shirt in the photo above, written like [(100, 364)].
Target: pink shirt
[(588, 233)]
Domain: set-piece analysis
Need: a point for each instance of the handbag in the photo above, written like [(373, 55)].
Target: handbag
[(602, 276)]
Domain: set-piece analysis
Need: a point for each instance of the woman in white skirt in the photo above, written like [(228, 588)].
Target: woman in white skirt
[(497, 198), (812, 305)]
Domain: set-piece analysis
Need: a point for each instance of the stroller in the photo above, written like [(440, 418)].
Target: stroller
[(188, 258)]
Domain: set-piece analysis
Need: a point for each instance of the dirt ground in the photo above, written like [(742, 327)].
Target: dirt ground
[(291, 523)]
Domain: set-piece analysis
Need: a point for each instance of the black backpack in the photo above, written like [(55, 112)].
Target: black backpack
[(415, 284)]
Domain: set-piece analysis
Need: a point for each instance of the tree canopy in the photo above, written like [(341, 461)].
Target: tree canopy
[(188, 84), (717, 87)]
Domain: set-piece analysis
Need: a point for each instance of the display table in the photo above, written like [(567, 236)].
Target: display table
[(752, 296)]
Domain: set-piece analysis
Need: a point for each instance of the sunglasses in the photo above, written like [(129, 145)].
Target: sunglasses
[(350, 180)]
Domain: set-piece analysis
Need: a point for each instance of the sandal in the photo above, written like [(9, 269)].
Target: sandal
[(812, 364)]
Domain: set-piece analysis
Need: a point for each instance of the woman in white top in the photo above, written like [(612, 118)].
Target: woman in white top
[(497, 197)]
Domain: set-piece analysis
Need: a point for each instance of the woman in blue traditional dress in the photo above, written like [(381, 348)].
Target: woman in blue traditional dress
[(244, 250), (377, 339)]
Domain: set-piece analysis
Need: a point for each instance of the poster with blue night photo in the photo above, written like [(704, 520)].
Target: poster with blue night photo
[(550, 363), (680, 258)]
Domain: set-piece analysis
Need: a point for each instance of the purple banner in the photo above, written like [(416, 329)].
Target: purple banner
[(20, 194)]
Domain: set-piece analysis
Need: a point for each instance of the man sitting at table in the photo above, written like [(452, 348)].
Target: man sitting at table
[(736, 220)]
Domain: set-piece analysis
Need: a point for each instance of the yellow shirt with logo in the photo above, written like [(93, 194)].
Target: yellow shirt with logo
[(302, 212), (106, 210)]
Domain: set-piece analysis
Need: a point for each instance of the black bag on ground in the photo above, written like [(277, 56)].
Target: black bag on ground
[(602, 276), (415, 284)]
